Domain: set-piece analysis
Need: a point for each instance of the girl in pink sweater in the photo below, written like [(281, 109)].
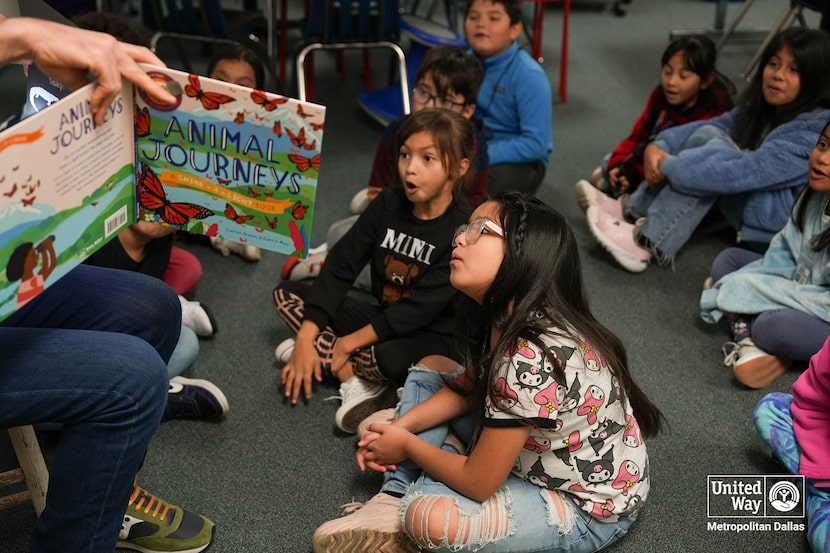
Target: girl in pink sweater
[(796, 428)]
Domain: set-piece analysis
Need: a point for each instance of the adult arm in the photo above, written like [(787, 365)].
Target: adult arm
[(68, 55)]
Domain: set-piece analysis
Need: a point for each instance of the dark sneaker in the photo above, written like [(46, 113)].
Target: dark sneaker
[(152, 525), (191, 398)]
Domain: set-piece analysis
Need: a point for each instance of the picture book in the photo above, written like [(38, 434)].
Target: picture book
[(223, 160), (67, 186), (229, 161)]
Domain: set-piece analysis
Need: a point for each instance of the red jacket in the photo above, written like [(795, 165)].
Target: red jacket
[(659, 115)]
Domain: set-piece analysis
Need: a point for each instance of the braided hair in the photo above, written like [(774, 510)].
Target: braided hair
[(538, 287)]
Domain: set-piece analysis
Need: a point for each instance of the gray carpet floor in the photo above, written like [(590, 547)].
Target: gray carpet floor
[(270, 473)]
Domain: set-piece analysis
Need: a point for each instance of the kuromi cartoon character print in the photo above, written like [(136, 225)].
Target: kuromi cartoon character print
[(585, 440)]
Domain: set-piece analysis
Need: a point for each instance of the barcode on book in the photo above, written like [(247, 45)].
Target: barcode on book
[(115, 221)]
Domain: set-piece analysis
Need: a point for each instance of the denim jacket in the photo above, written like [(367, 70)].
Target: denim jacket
[(772, 282)]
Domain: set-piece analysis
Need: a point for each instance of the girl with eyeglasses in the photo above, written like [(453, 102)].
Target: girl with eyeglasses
[(554, 421), (404, 235)]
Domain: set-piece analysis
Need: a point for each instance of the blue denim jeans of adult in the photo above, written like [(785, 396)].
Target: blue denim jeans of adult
[(784, 332), (526, 504), (89, 353), (671, 216), (774, 421)]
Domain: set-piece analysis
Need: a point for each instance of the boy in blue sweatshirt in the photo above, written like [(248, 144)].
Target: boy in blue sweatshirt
[(515, 99)]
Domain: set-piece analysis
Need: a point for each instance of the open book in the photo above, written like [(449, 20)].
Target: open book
[(224, 161)]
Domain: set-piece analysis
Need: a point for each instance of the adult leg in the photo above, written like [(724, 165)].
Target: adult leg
[(789, 333), (109, 300), (109, 404)]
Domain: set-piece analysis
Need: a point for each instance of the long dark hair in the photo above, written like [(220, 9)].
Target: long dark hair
[(811, 50), (820, 241), (539, 282)]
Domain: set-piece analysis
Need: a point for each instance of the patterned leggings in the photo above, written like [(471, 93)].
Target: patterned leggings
[(290, 307), (774, 422)]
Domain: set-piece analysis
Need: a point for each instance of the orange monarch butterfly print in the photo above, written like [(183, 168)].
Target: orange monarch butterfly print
[(253, 192), (297, 139), (272, 223), (298, 212), (231, 213), (240, 118), (303, 114), (261, 99), (311, 145), (316, 126), (223, 181), (303, 163), (278, 128), (210, 100), (142, 121), (153, 198)]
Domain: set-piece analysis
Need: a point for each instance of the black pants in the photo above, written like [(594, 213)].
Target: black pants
[(385, 361)]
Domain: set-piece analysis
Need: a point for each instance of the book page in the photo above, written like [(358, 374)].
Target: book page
[(67, 186), (229, 161)]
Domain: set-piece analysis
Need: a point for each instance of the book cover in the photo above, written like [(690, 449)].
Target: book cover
[(67, 186), (229, 161)]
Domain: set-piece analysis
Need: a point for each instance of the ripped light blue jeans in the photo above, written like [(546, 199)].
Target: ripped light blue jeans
[(672, 217), (520, 517)]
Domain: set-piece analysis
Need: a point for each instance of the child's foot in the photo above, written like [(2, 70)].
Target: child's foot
[(617, 237), (284, 350), (192, 398), (152, 525), (198, 317), (753, 367), (360, 201), (587, 196), (227, 247), (371, 526), (360, 398), (598, 180), (295, 268)]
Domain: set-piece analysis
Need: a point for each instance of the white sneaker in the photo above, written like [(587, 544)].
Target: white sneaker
[(384, 416), (360, 398), (371, 526), (226, 247), (617, 237), (198, 317), (284, 350), (753, 367), (360, 201), (587, 196)]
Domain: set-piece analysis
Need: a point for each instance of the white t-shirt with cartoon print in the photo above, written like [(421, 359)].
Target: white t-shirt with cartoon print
[(585, 440)]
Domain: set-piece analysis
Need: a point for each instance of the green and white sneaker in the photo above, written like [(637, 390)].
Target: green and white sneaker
[(152, 525)]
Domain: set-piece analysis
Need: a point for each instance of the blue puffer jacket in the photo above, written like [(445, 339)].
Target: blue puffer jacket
[(771, 176)]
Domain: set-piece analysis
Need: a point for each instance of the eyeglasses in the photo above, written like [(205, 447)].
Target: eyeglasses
[(423, 96), (475, 229)]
